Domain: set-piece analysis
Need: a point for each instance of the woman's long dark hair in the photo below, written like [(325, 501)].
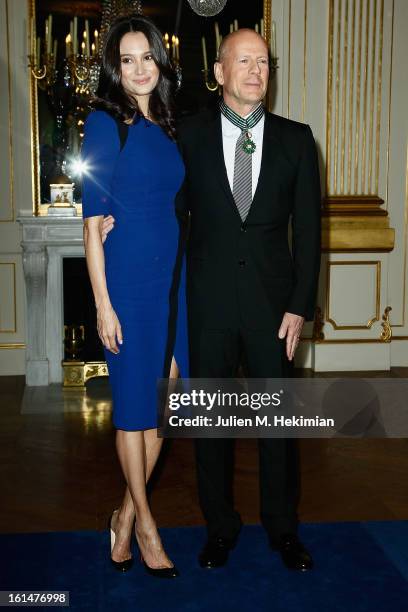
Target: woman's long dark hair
[(111, 96)]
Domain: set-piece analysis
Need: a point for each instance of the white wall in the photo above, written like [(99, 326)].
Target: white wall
[(360, 124)]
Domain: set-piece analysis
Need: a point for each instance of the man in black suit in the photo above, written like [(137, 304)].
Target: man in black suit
[(248, 172), (248, 296)]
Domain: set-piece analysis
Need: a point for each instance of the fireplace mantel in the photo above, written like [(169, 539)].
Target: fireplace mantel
[(46, 241)]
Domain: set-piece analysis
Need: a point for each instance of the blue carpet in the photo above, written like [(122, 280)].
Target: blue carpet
[(359, 567)]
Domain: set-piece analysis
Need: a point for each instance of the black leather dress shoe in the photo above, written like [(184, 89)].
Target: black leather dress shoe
[(294, 554), (215, 552)]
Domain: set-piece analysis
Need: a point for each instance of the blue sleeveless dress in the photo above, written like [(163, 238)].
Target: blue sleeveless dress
[(144, 260)]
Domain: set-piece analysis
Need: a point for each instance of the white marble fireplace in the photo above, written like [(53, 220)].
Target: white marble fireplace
[(46, 241)]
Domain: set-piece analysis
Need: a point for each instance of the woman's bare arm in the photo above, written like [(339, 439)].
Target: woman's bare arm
[(109, 328)]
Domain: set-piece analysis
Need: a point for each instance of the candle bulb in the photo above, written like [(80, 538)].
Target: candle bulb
[(75, 36), (93, 49), (173, 47), (273, 39), (67, 42), (262, 27), (177, 48), (87, 41), (83, 48), (96, 36), (257, 28), (32, 38), (204, 46), (217, 35), (49, 34), (38, 52), (46, 34)]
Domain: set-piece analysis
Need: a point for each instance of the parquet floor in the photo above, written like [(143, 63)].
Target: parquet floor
[(60, 472)]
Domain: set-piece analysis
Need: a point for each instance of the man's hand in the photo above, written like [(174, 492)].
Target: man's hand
[(291, 327), (107, 226)]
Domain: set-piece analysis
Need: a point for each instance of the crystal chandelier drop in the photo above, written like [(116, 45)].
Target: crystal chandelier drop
[(116, 8), (207, 8)]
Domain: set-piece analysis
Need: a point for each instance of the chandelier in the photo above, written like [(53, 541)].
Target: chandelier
[(207, 8), (116, 8)]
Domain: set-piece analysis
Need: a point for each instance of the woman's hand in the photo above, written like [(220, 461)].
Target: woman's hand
[(109, 329), (107, 225)]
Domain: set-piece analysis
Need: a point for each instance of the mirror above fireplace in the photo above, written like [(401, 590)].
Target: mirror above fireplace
[(61, 32)]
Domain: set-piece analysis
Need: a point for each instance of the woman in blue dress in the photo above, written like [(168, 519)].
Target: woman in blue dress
[(133, 171)]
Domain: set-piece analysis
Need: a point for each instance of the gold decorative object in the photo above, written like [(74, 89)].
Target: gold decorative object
[(318, 335), (77, 373), (211, 84), (386, 334), (74, 341), (62, 198)]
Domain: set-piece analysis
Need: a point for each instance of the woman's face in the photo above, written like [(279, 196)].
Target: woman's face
[(139, 73)]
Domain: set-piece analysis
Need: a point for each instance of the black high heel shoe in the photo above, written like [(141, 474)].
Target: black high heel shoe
[(160, 572), (121, 566)]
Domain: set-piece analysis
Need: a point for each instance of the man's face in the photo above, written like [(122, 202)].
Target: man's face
[(243, 71)]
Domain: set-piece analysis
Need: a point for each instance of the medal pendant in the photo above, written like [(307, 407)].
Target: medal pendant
[(248, 145)]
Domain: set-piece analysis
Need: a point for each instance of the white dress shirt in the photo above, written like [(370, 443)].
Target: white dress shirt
[(230, 135)]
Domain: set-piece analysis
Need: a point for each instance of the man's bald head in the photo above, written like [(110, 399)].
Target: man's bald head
[(228, 41), (242, 69)]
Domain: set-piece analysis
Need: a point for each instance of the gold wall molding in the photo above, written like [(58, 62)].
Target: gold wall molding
[(405, 238), (304, 63), (267, 15), (289, 52), (35, 158), (372, 319), (10, 123), (354, 96), (386, 333), (350, 341), (355, 224), (12, 345), (318, 323), (357, 204)]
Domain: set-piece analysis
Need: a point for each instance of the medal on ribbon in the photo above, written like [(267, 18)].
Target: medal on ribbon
[(248, 145)]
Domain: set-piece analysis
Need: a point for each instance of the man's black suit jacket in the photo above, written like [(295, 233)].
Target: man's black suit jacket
[(249, 266)]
